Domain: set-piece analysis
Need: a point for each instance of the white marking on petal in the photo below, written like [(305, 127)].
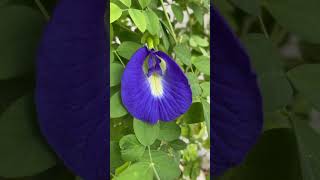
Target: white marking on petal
[(155, 84)]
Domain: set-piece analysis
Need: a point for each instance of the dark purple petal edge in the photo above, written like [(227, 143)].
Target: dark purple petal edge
[(236, 103)]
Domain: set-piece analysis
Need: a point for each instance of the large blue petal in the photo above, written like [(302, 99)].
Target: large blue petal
[(72, 86), (136, 91), (236, 100)]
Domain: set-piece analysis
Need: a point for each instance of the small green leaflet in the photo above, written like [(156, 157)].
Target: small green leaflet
[(116, 70), (153, 23), (116, 108), (115, 12), (169, 131), (126, 2), (144, 3), (178, 12), (128, 48), (137, 171), (131, 149), (145, 132), (138, 18), (183, 53)]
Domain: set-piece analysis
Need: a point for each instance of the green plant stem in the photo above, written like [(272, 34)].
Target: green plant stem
[(263, 27), (43, 10), (167, 18), (119, 58), (152, 165)]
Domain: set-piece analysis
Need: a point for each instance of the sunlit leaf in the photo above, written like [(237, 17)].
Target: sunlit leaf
[(115, 12), (138, 18)]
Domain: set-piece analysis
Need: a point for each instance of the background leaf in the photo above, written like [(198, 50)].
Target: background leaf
[(20, 32), (303, 79), (23, 150)]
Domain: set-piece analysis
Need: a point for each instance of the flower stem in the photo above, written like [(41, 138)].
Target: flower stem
[(152, 165), (167, 18), (43, 10), (263, 27), (119, 58)]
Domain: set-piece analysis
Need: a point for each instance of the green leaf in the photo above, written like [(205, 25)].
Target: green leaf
[(183, 53), (144, 3), (304, 24), (137, 171), (178, 12), (198, 12), (309, 148), (178, 144), (116, 70), (165, 165), (115, 12), (304, 79), (23, 150), (250, 6), (153, 23), (205, 86), (202, 42), (277, 149), (128, 48), (115, 156), (202, 63), (131, 149), (116, 108), (206, 114), (194, 83), (138, 18), (169, 131), (276, 89), (145, 132), (20, 32), (194, 114), (126, 2)]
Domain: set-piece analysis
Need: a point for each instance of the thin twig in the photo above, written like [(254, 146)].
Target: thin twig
[(263, 27), (43, 10), (119, 58), (167, 18), (152, 165)]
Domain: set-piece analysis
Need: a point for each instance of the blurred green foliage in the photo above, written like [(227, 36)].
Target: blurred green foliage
[(282, 39)]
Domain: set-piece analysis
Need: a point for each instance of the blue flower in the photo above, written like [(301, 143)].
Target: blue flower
[(236, 109), (153, 87)]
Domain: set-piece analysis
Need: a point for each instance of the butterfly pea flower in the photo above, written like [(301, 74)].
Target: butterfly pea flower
[(72, 90), (236, 103), (153, 87)]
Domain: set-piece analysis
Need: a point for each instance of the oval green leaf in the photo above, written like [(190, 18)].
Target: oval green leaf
[(131, 149), (115, 12), (153, 23), (23, 150), (169, 131), (145, 132), (20, 33), (116, 71), (138, 18), (116, 108)]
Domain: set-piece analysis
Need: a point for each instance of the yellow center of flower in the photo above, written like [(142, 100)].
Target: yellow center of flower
[(155, 82)]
